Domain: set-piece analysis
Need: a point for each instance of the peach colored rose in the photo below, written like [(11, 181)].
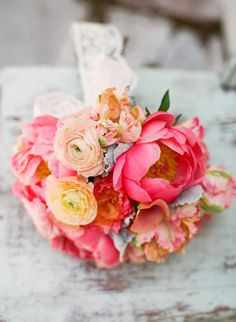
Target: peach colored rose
[(76, 146), (71, 201)]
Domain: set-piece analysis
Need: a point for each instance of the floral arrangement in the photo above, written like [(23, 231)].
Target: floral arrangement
[(114, 183)]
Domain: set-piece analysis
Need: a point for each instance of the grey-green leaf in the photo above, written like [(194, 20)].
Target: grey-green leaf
[(177, 118)]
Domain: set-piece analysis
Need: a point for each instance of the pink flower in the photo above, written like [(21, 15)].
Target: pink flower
[(58, 170), (187, 217), (153, 221), (162, 163), (32, 198), (99, 245), (67, 245), (39, 135), (35, 145), (113, 206), (219, 189), (195, 126)]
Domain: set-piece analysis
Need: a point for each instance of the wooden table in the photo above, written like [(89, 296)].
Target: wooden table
[(38, 284)]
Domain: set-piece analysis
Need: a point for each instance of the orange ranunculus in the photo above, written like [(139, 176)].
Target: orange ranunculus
[(113, 206)]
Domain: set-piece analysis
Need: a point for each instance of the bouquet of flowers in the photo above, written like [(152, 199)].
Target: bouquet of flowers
[(114, 183)]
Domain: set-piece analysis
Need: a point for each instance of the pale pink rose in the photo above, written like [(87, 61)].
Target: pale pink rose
[(76, 146), (162, 163), (71, 201), (99, 245), (113, 206), (32, 198), (219, 189)]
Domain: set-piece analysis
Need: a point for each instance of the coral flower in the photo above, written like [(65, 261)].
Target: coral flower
[(162, 163), (71, 201), (113, 206), (76, 147)]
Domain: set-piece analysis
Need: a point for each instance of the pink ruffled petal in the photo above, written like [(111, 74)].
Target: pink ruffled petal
[(161, 116), (149, 216), (135, 192), (139, 159), (117, 173)]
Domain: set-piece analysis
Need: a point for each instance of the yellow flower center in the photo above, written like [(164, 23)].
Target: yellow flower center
[(165, 167)]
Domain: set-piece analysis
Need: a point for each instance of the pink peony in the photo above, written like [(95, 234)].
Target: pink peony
[(33, 200), (40, 135), (195, 126), (99, 245), (163, 162), (34, 148), (58, 170), (65, 244)]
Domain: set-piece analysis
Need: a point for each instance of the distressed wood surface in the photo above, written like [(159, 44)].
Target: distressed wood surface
[(38, 284)]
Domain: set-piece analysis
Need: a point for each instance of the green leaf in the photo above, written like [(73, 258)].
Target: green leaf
[(207, 206), (147, 111), (177, 119), (165, 102)]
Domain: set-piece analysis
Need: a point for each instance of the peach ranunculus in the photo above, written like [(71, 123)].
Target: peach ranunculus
[(34, 147), (118, 122), (77, 147), (113, 206), (219, 189), (165, 160), (71, 201)]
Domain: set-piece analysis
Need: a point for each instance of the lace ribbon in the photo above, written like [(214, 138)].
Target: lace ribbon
[(98, 50)]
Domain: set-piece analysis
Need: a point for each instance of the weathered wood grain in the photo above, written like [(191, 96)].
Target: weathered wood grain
[(38, 284)]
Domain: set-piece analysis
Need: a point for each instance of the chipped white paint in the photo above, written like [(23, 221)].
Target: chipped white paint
[(38, 284)]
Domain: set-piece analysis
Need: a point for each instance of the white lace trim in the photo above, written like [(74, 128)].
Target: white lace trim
[(101, 65), (98, 49)]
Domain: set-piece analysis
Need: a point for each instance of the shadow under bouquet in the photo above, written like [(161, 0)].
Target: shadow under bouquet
[(114, 183)]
